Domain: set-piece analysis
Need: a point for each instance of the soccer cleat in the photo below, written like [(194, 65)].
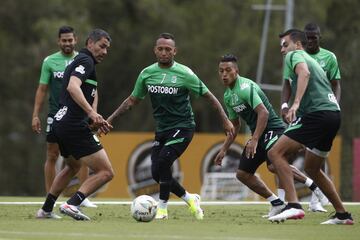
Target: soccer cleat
[(337, 219), (161, 213), (274, 210), (87, 203), (288, 213), (41, 214), (316, 207), (194, 206), (320, 196), (73, 212)]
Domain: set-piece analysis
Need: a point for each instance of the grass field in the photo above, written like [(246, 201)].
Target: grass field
[(228, 222)]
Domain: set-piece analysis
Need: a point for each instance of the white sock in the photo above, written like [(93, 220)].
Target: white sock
[(308, 182), (186, 197), (281, 194), (272, 198), (162, 203)]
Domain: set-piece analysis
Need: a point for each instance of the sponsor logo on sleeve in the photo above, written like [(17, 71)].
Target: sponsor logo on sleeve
[(80, 69)]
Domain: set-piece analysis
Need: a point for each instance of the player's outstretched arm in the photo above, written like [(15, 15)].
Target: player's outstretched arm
[(261, 123), (228, 126), (126, 105), (303, 73), (227, 143), (285, 97)]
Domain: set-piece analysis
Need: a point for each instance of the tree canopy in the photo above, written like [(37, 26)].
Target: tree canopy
[(204, 31)]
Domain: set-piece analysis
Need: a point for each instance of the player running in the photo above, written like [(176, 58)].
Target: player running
[(169, 84), (73, 125), (315, 119), (244, 98)]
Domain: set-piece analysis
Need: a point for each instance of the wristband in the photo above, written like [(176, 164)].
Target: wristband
[(284, 105)]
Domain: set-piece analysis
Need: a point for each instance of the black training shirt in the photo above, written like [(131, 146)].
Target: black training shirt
[(83, 67)]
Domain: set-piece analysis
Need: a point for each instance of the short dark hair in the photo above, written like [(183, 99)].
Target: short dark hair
[(65, 29), (295, 35), (97, 34), (312, 27), (229, 58), (167, 36)]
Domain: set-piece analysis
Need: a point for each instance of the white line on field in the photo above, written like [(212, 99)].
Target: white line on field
[(116, 235), (210, 203)]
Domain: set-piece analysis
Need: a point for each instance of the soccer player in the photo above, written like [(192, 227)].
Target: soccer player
[(324, 57), (329, 64), (244, 98), (51, 77), (169, 83), (315, 119), (73, 125)]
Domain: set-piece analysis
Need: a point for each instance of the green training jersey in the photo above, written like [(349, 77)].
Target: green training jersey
[(52, 72), (318, 95), (328, 62), (243, 98), (169, 90)]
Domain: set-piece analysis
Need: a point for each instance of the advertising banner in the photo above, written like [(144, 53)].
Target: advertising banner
[(130, 154)]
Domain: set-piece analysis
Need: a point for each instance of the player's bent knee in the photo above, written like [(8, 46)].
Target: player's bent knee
[(243, 176), (273, 155), (108, 175), (155, 173)]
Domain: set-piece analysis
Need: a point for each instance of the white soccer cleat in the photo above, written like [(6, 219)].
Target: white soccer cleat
[(274, 210), (87, 203), (316, 207), (336, 220), (320, 196), (41, 214), (290, 213), (73, 212), (194, 206)]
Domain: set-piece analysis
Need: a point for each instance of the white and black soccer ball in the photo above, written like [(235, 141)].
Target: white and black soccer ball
[(143, 208)]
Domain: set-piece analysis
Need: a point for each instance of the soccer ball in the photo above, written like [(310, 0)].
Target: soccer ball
[(143, 208)]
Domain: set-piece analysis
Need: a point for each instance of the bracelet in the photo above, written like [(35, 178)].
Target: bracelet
[(284, 105)]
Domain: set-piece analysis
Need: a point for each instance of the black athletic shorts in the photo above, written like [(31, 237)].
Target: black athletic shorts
[(50, 138), (267, 140), (171, 141), (75, 140), (315, 130)]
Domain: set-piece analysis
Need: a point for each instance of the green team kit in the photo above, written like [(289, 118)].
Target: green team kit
[(243, 98), (319, 112), (169, 90), (318, 95), (328, 62), (241, 101), (52, 73)]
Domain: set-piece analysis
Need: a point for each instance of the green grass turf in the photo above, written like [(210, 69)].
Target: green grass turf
[(227, 222)]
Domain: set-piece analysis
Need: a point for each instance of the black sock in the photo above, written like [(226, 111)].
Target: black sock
[(177, 189), (294, 205), (313, 186), (277, 202), (49, 202), (76, 199), (165, 190), (343, 216)]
